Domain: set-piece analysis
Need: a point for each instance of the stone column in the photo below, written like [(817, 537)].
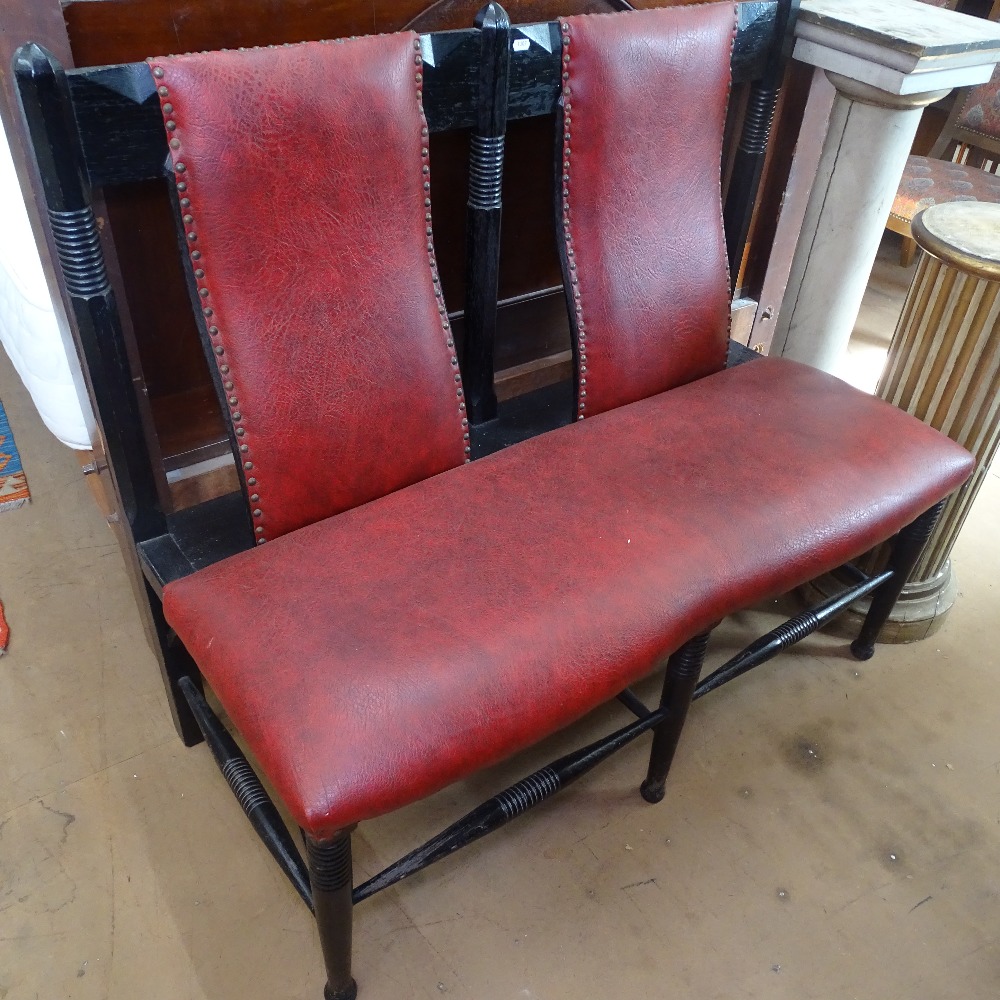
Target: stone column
[(887, 61)]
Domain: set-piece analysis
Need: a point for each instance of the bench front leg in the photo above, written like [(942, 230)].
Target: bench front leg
[(906, 549), (332, 878), (683, 670)]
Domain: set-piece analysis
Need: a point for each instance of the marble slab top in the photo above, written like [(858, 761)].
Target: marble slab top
[(964, 234), (904, 25)]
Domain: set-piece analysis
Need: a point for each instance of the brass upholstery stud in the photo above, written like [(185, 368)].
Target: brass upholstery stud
[(158, 73), (255, 498), (224, 369), (258, 512), (259, 529), (251, 481), (180, 167), (237, 416), (188, 219), (219, 349), (168, 109), (244, 448), (162, 91), (171, 124), (240, 432), (182, 186), (232, 399), (248, 465), (203, 292)]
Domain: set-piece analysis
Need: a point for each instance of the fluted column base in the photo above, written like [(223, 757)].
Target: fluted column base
[(920, 611)]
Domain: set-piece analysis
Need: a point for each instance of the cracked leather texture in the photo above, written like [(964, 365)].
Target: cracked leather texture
[(379, 655), (305, 167), (644, 110)]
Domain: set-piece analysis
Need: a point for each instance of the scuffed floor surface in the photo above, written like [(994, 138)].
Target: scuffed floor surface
[(831, 829)]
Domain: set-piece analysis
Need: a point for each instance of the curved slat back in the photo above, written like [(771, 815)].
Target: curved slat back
[(644, 255), (302, 173)]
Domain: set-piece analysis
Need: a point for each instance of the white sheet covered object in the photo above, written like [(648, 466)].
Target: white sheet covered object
[(29, 329)]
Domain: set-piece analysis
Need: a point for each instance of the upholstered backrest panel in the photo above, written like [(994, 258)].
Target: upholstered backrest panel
[(644, 105), (303, 177)]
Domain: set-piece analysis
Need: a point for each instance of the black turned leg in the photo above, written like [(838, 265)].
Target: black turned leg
[(332, 883), (906, 550), (683, 669)]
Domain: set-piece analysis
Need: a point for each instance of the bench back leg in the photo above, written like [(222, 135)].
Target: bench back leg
[(906, 550), (331, 875), (683, 670)]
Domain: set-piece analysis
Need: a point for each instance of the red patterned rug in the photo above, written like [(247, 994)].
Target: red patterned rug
[(13, 483)]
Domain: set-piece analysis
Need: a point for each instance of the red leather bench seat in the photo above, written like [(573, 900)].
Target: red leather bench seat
[(375, 657)]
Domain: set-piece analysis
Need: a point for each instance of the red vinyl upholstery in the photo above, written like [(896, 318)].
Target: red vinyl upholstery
[(644, 255), (376, 656), (303, 177)]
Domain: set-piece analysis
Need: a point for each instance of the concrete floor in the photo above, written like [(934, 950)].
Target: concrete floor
[(831, 829)]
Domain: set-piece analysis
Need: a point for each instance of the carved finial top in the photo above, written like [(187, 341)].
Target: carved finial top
[(492, 16)]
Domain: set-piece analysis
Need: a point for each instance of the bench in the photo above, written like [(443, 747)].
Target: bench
[(423, 582)]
